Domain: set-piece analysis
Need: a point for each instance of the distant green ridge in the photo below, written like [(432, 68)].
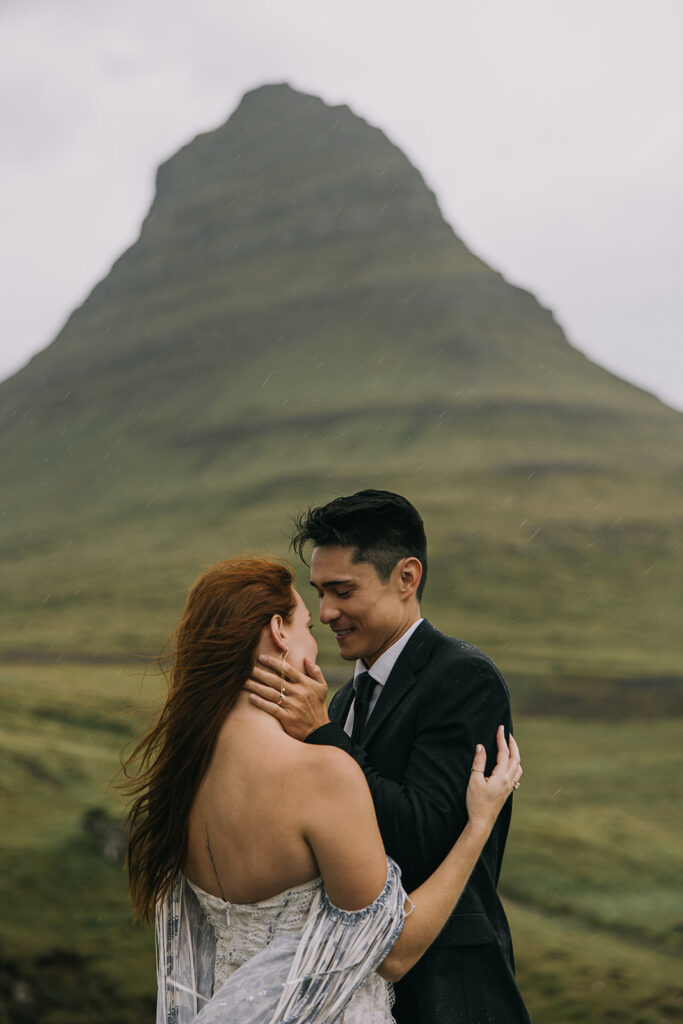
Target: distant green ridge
[(297, 320)]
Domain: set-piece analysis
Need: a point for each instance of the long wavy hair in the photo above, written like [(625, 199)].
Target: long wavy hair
[(214, 650)]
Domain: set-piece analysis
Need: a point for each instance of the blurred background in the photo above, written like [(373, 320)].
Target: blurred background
[(258, 257)]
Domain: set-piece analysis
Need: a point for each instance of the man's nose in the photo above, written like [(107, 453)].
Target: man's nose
[(328, 611)]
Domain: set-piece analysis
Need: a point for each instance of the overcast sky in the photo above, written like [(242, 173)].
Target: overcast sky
[(551, 132)]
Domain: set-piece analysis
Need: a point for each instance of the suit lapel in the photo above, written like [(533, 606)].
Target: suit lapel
[(340, 704), (401, 679)]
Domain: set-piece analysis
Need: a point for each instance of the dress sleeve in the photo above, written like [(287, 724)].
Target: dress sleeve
[(186, 950)]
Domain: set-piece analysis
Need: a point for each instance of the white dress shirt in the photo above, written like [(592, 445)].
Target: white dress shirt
[(380, 672)]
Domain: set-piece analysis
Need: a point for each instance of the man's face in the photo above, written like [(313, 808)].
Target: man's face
[(365, 614)]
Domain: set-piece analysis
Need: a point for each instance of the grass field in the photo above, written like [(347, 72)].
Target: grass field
[(593, 877), (525, 567)]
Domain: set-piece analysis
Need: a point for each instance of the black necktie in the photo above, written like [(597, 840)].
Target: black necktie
[(365, 684)]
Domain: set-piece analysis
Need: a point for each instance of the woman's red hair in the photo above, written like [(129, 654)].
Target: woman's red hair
[(214, 652)]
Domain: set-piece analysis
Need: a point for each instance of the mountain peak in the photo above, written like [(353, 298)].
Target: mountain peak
[(297, 320), (274, 96), (300, 221)]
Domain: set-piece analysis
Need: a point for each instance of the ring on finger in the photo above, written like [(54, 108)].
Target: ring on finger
[(479, 770), (516, 784), (281, 702)]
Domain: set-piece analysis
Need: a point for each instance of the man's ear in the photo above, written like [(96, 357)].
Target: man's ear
[(410, 574), (277, 634)]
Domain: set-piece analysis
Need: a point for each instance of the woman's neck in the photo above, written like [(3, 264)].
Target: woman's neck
[(247, 713)]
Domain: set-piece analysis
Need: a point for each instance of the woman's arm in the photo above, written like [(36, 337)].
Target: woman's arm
[(345, 841), (341, 829)]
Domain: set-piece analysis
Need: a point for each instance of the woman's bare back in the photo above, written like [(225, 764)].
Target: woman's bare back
[(246, 826)]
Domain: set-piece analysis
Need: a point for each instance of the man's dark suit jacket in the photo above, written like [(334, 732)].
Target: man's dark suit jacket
[(442, 697)]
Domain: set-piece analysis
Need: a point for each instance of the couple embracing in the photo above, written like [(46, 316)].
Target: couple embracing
[(311, 867)]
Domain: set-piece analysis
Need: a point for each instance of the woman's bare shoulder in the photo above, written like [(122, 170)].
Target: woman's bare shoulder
[(265, 752), (332, 779), (331, 764)]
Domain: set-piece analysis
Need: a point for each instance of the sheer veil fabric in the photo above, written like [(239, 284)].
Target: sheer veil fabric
[(321, 974)]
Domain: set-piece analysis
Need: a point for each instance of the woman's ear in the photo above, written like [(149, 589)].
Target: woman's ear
[(277, 635)]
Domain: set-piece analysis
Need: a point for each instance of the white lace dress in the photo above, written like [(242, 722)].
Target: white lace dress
[(292, 958)]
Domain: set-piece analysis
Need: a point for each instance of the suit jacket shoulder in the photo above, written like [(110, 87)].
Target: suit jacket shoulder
[(435, 659), (438, 659)]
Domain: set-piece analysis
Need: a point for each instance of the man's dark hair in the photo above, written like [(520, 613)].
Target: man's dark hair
[(381, 527)]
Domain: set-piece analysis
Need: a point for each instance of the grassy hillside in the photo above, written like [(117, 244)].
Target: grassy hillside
[(592, 878), (559, 568)]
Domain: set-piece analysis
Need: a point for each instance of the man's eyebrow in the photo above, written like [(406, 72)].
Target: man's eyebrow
[(348, 582)]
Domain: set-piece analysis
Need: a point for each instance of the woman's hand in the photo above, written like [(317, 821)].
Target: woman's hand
[(486, 794)]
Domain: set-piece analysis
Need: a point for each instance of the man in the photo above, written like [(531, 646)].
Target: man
[(411, 717)]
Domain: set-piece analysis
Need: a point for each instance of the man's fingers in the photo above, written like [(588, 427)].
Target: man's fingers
[(270, 706), (314, 671), (263, 690), (266, 677), (269, 672), (276, 665), (276, 671), (275, 679)]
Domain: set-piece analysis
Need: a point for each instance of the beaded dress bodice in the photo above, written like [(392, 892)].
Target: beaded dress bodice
[(292, 958), (244, 929)]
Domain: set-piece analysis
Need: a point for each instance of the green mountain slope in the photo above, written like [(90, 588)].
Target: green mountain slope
[(297, 320)]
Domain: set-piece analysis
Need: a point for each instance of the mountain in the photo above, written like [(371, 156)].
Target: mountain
[(297, 320)]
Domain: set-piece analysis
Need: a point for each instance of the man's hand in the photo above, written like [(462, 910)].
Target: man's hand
[(303, 706)]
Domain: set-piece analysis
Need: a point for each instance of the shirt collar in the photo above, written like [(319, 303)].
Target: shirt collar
[(381, 670)]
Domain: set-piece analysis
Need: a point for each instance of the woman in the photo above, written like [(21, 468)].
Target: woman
[(260, 855)]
